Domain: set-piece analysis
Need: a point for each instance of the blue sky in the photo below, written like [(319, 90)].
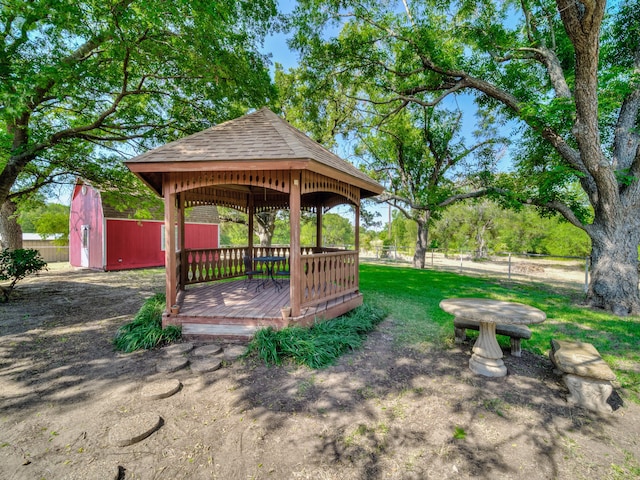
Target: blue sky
[(276, 45)]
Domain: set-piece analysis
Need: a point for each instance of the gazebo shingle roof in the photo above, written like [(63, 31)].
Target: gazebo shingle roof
[(260, 136)]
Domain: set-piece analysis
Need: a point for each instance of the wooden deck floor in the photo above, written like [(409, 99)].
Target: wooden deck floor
[(235, 300), (237, 309)]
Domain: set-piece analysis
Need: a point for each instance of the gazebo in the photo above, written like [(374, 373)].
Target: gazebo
[(254, 163)]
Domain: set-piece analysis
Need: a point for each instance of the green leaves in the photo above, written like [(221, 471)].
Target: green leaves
[(320, 345), (145, 331), (624, 34), (48, 220), (625, 177), (17, 264), (459, 433), (83, 79)]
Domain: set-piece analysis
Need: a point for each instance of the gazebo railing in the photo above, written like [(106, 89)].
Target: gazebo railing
[(271, 252), (176, 273), (209, 264), (328, 275)]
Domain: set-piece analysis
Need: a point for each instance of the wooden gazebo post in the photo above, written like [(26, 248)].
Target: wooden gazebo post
[(250, 212), (357, 241), (295, 264), (319, 225), (170, 242), (182, 274)]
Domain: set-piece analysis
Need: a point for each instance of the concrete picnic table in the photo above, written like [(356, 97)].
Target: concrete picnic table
[(487, 355)]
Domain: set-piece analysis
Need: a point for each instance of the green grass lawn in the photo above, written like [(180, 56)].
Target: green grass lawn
[(412, 296)]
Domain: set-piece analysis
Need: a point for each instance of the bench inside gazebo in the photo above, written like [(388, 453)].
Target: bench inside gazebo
[(254, 163)]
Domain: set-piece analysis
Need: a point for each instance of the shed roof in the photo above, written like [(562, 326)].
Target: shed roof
[(261, 140), (199, 214)]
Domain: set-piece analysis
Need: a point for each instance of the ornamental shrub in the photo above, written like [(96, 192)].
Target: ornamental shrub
[(18, 264)]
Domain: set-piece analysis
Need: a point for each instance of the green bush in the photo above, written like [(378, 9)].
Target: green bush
[(145, 330), (320, 345), (18, 264)]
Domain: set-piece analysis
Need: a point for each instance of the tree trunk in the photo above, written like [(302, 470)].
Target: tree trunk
[(614, 270), (481, 243), (265, 226), (10, 230), (422, 240)]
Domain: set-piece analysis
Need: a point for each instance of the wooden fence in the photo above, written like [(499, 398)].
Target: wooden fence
[(49, 252)]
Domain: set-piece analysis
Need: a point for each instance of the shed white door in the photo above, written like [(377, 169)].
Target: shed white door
[(84, 251)]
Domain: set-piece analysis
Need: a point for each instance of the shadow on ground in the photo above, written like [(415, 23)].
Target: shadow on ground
[(381, 412)]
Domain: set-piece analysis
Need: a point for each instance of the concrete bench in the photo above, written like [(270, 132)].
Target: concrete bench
[(585, 373), (515, 332)]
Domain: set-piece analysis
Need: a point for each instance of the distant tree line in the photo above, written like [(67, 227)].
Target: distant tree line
[(476, 227), (336, 230), (483, 227), (50, 220)]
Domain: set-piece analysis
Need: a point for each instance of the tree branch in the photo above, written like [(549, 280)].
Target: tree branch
[(232, 219), (554, 68), (626, 139), (555, 205), (464, 196), (393, 200), (567, 213), (50, 180)]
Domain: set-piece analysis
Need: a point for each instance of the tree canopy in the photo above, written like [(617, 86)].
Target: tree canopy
[(565, 74), (426, 164), (85, 84), (48, 220)]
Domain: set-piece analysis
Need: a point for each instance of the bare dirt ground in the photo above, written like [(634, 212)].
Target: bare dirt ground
[(383, 412)]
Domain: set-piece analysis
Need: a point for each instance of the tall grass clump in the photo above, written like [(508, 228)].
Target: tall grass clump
[(145, 330), (319, 345)]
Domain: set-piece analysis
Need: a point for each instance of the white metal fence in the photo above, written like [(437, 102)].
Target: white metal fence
[(563, 271), (572, 272)]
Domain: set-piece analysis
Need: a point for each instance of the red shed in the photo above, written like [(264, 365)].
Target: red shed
[(103, 238)]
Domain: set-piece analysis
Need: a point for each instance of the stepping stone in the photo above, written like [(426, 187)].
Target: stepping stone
[(160, 389), (178, 349), (134, 429), (207, 350), (172, 364), (206, 365), (234, 351)]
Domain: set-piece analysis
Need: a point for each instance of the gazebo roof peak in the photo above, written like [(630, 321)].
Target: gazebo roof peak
[(261, 139)]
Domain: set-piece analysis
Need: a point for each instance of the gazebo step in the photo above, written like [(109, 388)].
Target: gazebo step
[(204, 329)]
